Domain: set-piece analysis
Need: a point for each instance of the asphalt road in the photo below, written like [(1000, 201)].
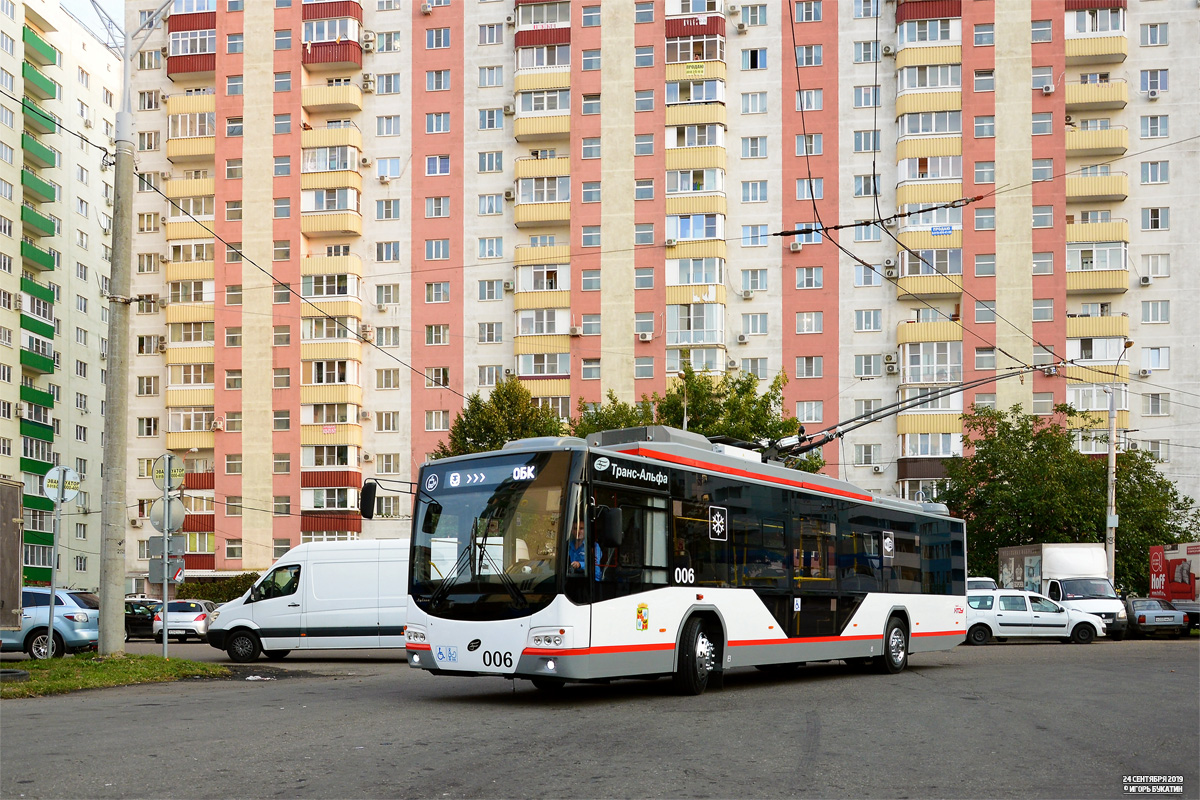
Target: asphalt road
[(1012, 720)]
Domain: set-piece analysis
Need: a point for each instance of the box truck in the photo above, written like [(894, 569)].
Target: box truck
[(320, 596), (1173, 570), (1073, 575)]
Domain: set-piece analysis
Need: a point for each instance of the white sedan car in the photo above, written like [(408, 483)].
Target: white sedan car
[(1011, 613), (185, 618)]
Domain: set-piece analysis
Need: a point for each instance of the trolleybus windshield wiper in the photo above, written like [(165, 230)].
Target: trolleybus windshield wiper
[(463, 560), (514, 591)]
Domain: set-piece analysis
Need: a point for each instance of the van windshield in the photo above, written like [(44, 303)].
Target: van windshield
[(485, 535), (1087, 589)]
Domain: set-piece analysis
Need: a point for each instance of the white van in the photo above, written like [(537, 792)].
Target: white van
[(320, 596)]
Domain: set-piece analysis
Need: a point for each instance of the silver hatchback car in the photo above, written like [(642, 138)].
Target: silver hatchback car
[(185, 618)]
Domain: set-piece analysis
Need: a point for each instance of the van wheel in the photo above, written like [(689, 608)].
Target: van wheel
[(895, 647), (1083, 634), (696, 659), (978, 635), (37, 646), (276, 655), (243, 647)]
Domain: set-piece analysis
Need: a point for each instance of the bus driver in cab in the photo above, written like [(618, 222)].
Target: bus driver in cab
[(575, 549)]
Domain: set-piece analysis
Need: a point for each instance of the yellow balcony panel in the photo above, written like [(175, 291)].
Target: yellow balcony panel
[(189, 271), (928, 287), (350, 349), (698, 293), (555, 299), (547, 387), (332, 137), (189, 230), (525, 255), (1100, 373), (333, 179), (696, 114), (190, 440), (923, 56), (1115, 231), (696, 71), (189, 398), (942, 192), (1097, 280), (331, 265), (542, 343), (180, 103), (697, 158), (925, 240), (1107, 142), (928, 146), (703, 248), (697, 204), (928, 423), (189, 354), (541, 167), (529, 214), (1097, 96), (527, 81), (337, 223), (1097, 50), (195, 148), (189, 312), (1098, 327), (343, 433), (1098, 420), (334, 308), (943, 331), (322, 99), (1094, 188), (340, 393), (532, 129), (193, 187), (917, 102)]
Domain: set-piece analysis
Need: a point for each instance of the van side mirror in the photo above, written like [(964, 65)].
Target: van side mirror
[(607, 524), (432, 512), (256, 593), (366, 499)]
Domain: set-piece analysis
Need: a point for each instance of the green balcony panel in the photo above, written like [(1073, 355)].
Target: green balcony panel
[(37, 154), (37, 430), (35, 289), (38, 49), (35, 256), (35, 325), (39, 119), (35, 576), (37, 397), (36, 223), (35, 467), (37, 362), (44, 538), (36, 188), (37, 84)]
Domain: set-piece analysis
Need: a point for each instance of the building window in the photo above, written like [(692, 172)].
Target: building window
[(985, 311), (1043, 310), (985, 80), (1156, 219), (985, 219), (1155, 311)]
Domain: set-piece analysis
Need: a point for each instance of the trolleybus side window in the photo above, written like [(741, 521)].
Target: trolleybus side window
[(642, 560)]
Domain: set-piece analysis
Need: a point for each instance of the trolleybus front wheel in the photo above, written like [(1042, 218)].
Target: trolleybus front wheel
[(696, 659)]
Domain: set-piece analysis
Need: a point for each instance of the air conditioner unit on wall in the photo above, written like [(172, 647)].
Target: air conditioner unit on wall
[(426, 8), (135, 522), (367, 457), (575, 330), (889, 262), (218, 424), (669, 243), (511, 20), (890, 272), (742, 338), (1145, 373), (741, 27), (889, 358), (796, 247), (1048, 89), (1152, 94), (509, 109), (1145, 280), (368, 36), (891, 369), (508, 286), (877, 469), (888, 50), (645, 337), (747, 294), (368, 47), (509, 194)]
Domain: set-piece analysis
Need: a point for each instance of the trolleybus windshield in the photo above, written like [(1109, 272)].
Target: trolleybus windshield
[(486, 534)]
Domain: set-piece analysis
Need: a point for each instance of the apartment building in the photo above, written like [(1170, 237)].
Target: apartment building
[(56, 112), (412, 200)]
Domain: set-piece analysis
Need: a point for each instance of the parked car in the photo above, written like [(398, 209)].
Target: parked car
[(1011, 613), (76, 623), (981, 583), (1149, 616), (139, 618), (185, 618)]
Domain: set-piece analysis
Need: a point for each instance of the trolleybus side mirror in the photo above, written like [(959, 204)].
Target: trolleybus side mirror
[(366, 499), (609, 532), (432, 512)]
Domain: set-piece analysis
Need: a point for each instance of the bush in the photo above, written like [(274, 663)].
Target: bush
[(221, 591)]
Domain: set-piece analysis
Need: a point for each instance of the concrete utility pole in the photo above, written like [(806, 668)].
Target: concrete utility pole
[(1110, 533), (116, 390)]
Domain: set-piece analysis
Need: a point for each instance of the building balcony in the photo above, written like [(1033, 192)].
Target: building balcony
[(37, 83), (190, 187), (921, 54), (181, 229), (199, 480), (931, 373), (928, 422), (331, 265), (923, 101), (1098, 420), (1098, 327), (38, 118), (942, 191), (1096, 50), (35, 256), (1113, 231), (189, 67), (348, 136), (343, 307), (36, 362), (541, 167), (1106, 142), (696, 71), (195, 561), (541, 298), (321, 99), (186, 440), (524, 255), (330, 478), (37, 154), (697, 248), (193, 148), (527, 215), (320, 56), (198, 523), (36, 223), (683, 204), (533, 129), (1097, 96), (696, 114), (541, 343), (331, 393), (337, 349), (942, 331), (928, 287), (696, 158), (1094, 188), (326, 223), (36, 397), (336, 434), (696, 293), (1090, 281), (37, 49), (36, 189), (332, 179)]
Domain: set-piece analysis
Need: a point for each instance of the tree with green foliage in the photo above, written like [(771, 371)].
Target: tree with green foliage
[(508, 413), (1025, 482), (613, 414), (221, 591)]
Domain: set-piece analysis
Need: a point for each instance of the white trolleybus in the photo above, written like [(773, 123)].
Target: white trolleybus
[(645, 552)]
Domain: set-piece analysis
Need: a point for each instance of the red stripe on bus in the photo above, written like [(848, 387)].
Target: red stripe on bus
[(598, 651), (646, 452), (940, 633), (412, 646), (818, 639)]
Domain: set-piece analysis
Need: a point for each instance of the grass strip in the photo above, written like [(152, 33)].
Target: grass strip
[(92, 671)]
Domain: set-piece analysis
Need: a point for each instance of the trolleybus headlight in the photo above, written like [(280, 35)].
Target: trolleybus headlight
[(557, 640)]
